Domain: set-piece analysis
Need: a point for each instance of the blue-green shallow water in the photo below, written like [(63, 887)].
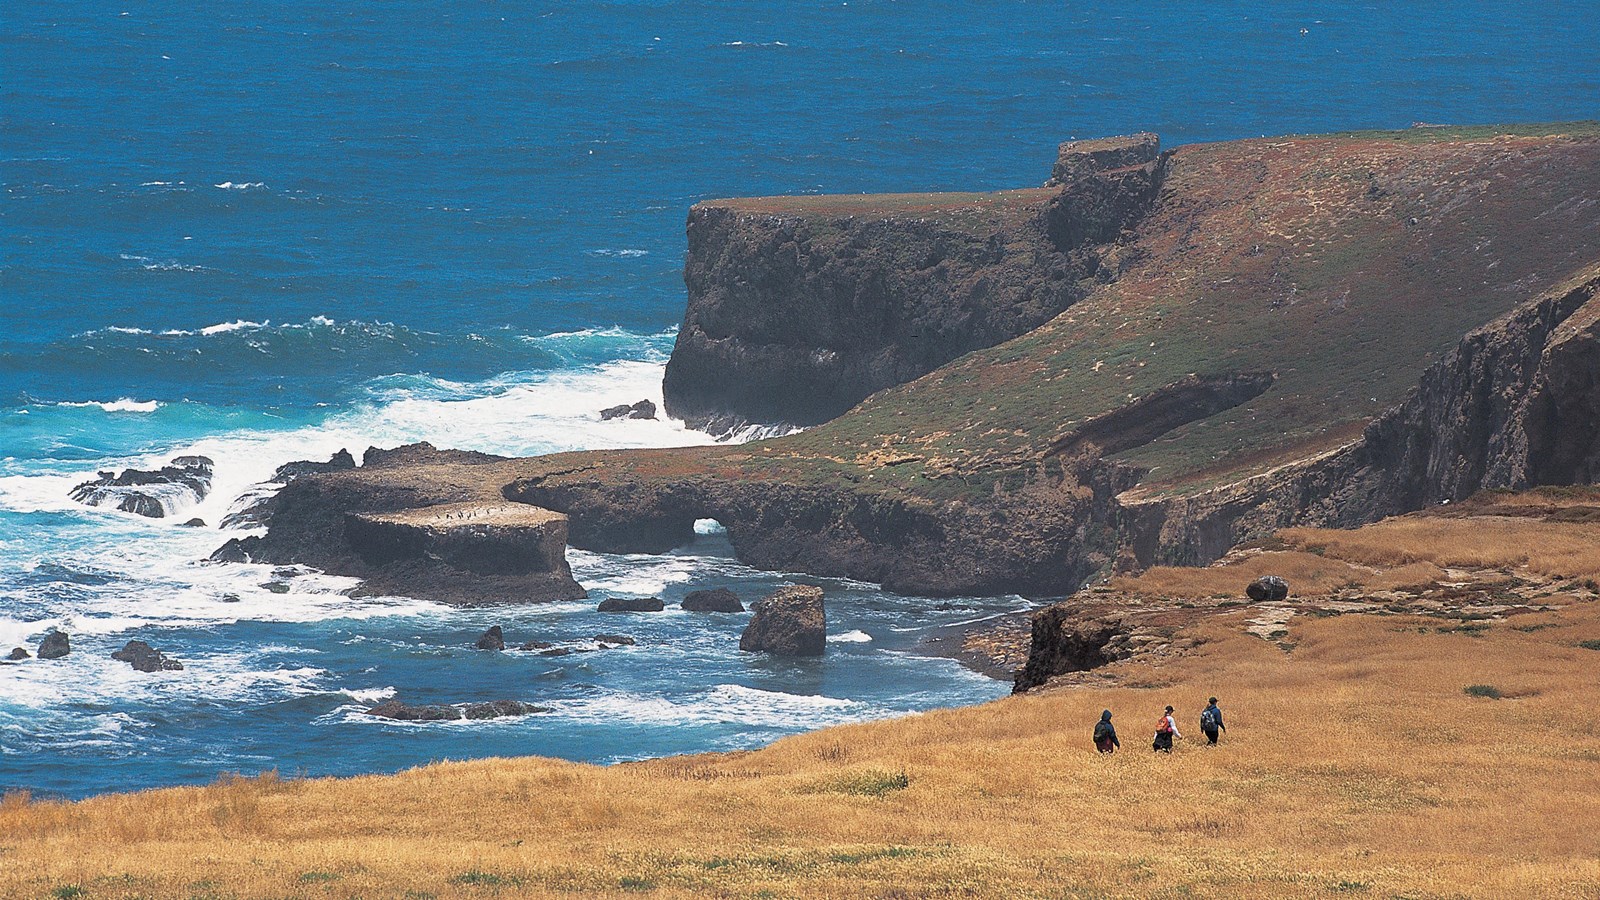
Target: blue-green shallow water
[(268, 231)]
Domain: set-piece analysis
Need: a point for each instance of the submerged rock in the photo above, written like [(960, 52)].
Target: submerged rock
[(536, 645), (719, 600), (146, 658), (644, 409), (276, 587), (195, 523), (18, 653), (789, 622), (492, 639), (154, 494), (493, 709), (556, 651), (620, 640), (631, 604), (55, 645), (1267, 589)]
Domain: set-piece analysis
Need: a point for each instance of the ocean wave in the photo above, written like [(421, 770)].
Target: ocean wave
[(631, 253), (124, 404), (850, 637), (240, 186), (723, 704), (235, 325)]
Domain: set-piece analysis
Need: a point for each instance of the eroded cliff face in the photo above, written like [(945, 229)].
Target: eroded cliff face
[(799, 310)]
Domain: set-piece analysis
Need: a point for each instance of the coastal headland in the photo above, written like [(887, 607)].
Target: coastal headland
[(1151, 359)]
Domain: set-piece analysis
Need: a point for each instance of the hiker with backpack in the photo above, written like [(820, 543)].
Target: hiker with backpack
[(1211, 721), (1165, 732), (1105, 734)]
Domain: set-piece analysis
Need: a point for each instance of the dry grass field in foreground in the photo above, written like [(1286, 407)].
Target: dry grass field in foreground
[(1357, 764)]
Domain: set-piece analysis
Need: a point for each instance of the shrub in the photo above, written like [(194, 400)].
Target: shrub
[(1589, 645), (868, 783), (1482, 690)]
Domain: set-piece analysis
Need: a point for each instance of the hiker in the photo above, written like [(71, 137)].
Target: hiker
[(1211, 721), (1165, 732), (1105, 734)]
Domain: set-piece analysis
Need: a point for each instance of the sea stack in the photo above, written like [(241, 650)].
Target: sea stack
[(789, 622)]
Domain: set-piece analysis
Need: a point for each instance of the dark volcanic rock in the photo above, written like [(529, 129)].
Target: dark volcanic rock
[(18, 653), (492, 639), (500, 709), (535, 645), (423, 453), (1079, 159), (1267, 588), (789, 622), (631, 604), (620, 640), (289, 471), (254, 508), (403, 712), (145, 658), (195, 523), (644, 409), (1066, 640), (556, 651), (719, 600), (234, 551), (55, 645), (276, 587), (154, 494)]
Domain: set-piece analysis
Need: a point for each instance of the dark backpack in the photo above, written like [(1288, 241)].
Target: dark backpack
[(1102, 731), (1208, 718)]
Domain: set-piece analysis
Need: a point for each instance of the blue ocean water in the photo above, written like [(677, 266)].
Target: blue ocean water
[(267, 231)]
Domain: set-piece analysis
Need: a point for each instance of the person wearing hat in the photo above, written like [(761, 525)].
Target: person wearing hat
[(1105, 734), (1165, 732), (1211, 721)]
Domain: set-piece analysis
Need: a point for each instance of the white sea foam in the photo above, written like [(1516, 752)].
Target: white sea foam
[(125, 404), (723, 704), (627, 253), (235, 325), (850, 637), (240, 186)]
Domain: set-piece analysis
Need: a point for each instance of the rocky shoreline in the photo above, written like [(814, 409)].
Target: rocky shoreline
[(1027, 390)]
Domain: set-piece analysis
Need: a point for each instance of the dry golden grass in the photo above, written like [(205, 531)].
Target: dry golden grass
[(1548, 548), (1355, 765)]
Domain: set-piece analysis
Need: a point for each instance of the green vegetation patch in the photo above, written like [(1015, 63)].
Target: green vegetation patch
[(865, 783), (1487, 691)]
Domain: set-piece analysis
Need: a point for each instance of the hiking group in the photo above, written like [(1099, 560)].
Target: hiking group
[(1105, 734)]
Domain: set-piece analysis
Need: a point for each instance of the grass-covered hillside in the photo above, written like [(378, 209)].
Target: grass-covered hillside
[(1415, 721)]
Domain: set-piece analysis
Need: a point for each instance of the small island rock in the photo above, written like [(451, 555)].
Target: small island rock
[(790, 622), (55, 645), (18, 653), (492, 639), (719, 600), (620, 640), (146, 658)]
